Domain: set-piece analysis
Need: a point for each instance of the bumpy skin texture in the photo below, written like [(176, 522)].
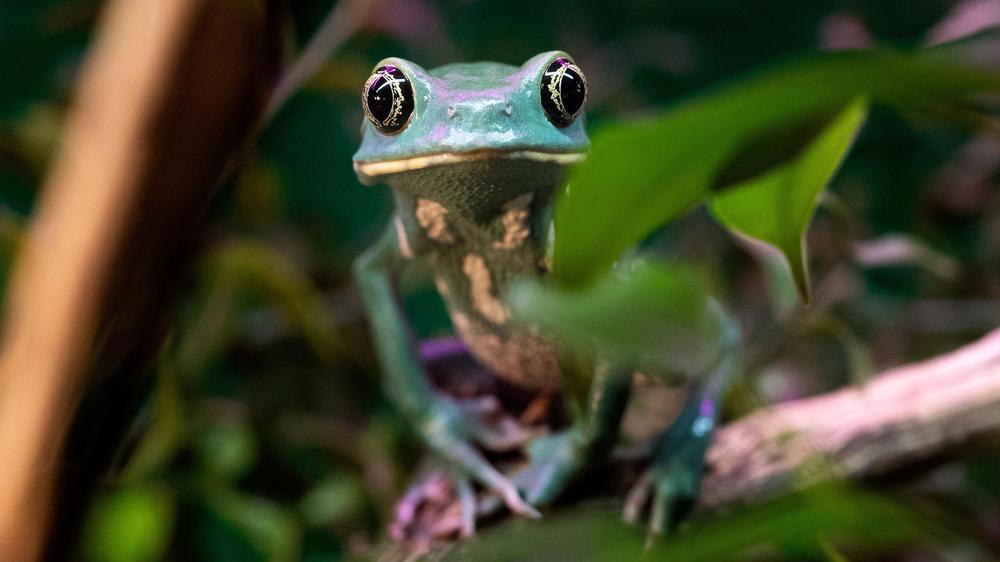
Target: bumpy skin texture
[(469, 107), (473, 174), (479, 223)]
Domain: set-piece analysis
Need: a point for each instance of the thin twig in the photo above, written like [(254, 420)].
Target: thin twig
[(344, 20)]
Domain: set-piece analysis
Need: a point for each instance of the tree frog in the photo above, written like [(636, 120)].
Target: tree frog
[(473, 153)]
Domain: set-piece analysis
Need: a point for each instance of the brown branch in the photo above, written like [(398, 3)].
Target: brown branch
[(906, 415), (903, 417), (169, 95)]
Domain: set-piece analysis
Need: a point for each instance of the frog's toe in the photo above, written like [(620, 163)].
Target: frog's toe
[(670, 491), (431, 493), (554, 461), (453, 433), (507, 434), (439, 505), (480, 405)]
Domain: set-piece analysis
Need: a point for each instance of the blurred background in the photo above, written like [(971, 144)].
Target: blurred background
[(264, 434)]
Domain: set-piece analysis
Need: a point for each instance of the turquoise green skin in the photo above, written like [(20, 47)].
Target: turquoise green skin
[(469, 107), (472, 175)]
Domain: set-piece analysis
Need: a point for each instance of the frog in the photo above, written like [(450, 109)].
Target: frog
[(474, 155)]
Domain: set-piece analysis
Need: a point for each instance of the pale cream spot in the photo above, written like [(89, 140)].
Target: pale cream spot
[(481, 290), (441, 285), (515, 222), (431, 217), (522, 359), (404, 243)]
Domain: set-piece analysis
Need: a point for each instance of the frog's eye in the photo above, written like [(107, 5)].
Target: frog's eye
[(564, 91), (388, 99)]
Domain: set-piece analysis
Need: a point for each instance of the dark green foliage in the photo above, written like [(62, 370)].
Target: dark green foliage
[(267, 436)]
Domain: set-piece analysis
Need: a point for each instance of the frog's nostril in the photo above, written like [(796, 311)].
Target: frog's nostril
[(508, 109), (452, 112)]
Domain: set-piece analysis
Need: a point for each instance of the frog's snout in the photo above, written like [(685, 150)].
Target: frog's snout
[(476, 109)]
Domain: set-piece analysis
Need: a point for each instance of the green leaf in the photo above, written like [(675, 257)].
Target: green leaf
[(227, 448), (776, 207), (271, 528), (130, 525), (803, 524), (652, 315), (642, 174)]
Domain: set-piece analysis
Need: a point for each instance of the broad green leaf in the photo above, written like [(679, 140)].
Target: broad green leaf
[(652, 315), (641, 174), (776, 207), (802, 525)]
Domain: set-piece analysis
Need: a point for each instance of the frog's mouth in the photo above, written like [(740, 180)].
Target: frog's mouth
[(372, 170)]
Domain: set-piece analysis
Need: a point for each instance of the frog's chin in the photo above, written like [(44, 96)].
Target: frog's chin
[(369, 172)]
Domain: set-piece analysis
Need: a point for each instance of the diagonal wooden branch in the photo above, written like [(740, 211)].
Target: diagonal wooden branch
[(903, 417), (171, 91), (908, 414)]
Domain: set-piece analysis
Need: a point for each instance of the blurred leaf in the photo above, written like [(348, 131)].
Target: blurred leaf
[(799, 524), (263, 265), (859, 362), (901, 249), (227, 448), (166, 433), (654, 315), (642, 174), (272, 530), (337, 499), (129, 525), (777, 207)]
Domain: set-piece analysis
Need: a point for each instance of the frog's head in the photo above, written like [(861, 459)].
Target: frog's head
[(484, 118)]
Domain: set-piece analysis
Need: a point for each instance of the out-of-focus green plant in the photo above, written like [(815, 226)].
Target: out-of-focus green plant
[(270, 360), (777, 206), (663, 167), (721, 149), (130, 525), (803, 526), (657, 315)]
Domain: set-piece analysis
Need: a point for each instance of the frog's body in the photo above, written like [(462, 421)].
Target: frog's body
[(473, 154), (473, 260), (473, 175)]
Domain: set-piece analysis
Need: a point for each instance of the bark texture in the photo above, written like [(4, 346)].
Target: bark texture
[(169, 95), (905, 415)]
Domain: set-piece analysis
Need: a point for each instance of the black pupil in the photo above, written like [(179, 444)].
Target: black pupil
[(388, 99), (563, 91)]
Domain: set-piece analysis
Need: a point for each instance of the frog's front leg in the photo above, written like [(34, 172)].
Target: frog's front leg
[(448, 428), (671, 483), (555, 460)]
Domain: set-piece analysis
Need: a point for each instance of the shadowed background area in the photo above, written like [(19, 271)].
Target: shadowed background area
[(259, 432)]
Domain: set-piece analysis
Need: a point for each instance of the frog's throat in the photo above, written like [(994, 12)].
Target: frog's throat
[(371, 170)]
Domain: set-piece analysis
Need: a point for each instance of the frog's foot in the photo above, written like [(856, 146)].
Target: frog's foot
[(670, 489), (554, 461), (495, 431), (437, 507), (442, 504), (454, 430)]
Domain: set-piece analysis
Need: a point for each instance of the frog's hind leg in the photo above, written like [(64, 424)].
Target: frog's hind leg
[(671, 483)]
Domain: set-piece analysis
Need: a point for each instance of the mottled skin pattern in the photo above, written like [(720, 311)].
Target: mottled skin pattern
[(475, 251), (473, 175)]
